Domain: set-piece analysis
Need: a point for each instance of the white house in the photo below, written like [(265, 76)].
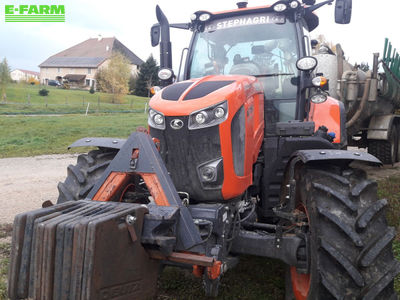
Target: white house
[(24, 75)]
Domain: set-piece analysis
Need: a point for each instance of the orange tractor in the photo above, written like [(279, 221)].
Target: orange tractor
[(245, 154)]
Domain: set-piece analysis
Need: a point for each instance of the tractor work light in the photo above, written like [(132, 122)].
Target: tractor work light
[(210, 116), (307, 63), (319, 98), (211, 173), (204, 17), (294, 4), (208, 173), (165, 74), (280, 7), (156, 119)]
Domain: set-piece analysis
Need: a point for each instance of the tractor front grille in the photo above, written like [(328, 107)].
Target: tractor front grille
[(183, 150)]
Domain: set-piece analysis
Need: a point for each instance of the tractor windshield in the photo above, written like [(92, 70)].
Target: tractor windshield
[(262, 45)]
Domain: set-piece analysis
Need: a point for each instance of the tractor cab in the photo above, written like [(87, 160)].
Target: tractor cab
[(265, 42)]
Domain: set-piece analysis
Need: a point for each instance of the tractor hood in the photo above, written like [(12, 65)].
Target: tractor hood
[(185, 97)]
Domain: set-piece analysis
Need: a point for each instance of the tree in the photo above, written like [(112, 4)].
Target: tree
[(147, 77), (113, 78), (44, 92), (132, 84), (92, 91), (32, 80), (5, 78), (364, 67)]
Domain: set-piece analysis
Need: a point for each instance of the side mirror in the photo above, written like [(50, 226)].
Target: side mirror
[(155, 35), (343, 11)]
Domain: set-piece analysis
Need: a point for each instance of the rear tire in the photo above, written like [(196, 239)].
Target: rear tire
[(350, 241), (82, 176), (386, 151)]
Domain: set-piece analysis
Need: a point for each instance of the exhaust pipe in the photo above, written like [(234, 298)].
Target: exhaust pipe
[(165, 44)]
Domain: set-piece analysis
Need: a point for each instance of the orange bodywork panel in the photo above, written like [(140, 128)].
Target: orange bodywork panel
[(327, 114), (253, 101)]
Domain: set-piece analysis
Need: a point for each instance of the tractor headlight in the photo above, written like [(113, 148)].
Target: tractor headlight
[(209, 116), (156, 119), (201, 117), (219, 112)]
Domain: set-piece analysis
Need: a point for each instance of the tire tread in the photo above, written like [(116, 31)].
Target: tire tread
[(82, 176)]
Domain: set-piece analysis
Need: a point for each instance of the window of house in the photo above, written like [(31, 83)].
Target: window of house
[(88, 82), (89, 71), (58, 70)]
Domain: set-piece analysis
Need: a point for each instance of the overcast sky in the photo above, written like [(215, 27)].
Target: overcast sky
[(26, 45)]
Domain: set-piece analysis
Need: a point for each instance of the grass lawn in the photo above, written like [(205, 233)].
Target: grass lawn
[(253, 279), (28, 136), (24, 99)]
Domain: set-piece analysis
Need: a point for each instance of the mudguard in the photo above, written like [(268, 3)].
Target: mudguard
[(333, 154), (380, 127), (102, 142)]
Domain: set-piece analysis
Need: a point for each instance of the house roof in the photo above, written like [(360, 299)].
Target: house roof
[(28, 72), (90, 54)]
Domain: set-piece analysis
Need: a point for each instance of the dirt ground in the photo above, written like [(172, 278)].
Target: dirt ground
[(25, 183)]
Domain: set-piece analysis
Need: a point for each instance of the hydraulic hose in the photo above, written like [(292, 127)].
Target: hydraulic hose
[(362, 104)]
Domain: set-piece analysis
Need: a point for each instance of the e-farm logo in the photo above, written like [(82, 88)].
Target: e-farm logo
[(34, 13)]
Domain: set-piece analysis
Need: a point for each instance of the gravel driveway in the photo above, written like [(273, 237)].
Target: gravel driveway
[(26, 182)]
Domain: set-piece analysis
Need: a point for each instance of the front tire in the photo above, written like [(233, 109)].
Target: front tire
[(82, 176), (350, 241)]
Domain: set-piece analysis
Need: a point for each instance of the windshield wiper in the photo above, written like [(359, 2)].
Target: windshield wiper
[(273, 74)]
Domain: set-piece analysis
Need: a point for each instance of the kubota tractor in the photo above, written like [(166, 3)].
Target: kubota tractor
[(244, 155)]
